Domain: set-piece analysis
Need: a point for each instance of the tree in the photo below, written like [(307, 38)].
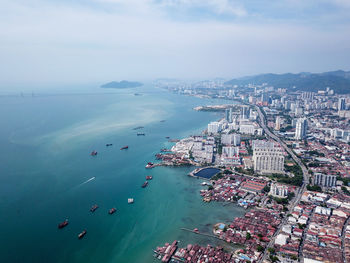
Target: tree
[(260, 248), (315, 188), (266, 189), (271, 250), (248, 236)]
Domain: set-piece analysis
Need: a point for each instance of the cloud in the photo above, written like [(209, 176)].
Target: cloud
[(43, 42), (217, 6)]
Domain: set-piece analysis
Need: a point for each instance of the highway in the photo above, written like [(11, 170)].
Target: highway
[(302, 188)]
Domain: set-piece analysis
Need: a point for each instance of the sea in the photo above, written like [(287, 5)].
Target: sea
[(47, 175)]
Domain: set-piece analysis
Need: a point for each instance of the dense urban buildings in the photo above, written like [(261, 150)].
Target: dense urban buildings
[(285, 153)]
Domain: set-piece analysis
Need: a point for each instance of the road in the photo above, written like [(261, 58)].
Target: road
[(301, 189)]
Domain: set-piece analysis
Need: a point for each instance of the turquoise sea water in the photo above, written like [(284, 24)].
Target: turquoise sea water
[(45, 163)]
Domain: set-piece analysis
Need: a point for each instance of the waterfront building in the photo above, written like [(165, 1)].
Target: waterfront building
[(301, 129), (268, 157), (279, 190), (341, 104), (214, 127), (228, 115), (325, 180)]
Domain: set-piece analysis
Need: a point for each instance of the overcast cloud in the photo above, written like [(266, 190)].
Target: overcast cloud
[(48, 42)]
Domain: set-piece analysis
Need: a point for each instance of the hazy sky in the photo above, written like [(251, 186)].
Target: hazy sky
[(67, 41)]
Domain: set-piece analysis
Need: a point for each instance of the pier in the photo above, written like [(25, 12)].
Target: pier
[(199, 233)]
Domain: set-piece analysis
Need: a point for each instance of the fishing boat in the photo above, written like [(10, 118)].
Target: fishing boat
[(82, 234), (130, 200), (63, 224), (93, 208), (149, 177), (112, 211), (93, 153), (141, 134), (109, 144), (144, 184), (124, 147)]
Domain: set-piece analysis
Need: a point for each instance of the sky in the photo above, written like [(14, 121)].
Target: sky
[(47, 42)]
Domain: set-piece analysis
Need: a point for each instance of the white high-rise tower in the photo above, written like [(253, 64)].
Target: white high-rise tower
[(301, 129)]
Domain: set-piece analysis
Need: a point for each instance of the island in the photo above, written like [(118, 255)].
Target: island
[(124, 84)]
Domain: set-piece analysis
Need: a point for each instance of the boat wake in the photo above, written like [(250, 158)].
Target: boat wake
[(92, 178)]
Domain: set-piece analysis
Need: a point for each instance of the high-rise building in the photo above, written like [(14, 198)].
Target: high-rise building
[(264, 97), (341, 104), (214, 127), (301, 129), (325, 180), (231, 139), (278, 123), (230, 155), (287, 105), (228, 115), (279, 190), (230, 151), (244, 112), (268, 157)]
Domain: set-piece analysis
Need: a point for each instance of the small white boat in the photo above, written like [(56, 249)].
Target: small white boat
[(130, 200)]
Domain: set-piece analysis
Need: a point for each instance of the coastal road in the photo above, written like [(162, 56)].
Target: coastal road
[(297, 161)]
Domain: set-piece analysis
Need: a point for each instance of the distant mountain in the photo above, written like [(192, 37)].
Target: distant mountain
[(121, 85), (339, 81)]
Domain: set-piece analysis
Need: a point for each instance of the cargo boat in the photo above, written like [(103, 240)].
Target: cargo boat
[(63, 224), (149, 177), (109, 144), (82, 234), (93, 153), (112, 211), (124, 147), (141, 134), (93, 208), (130, 200), (144, 184)]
